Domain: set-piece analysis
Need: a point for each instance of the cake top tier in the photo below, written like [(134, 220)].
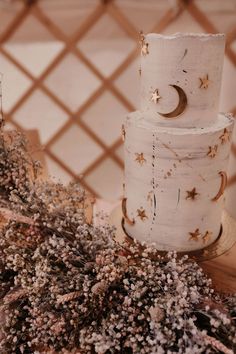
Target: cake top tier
[(181, 78)]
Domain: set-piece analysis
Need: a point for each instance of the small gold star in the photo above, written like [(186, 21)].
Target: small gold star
[(212, 151), (140, 71), (155, 96), (123, 132), (144, 49), (204, 82), (191, 194), (194, 235), (144, 45), (142, 214), (142, 37), (225, 136), (140, 158), (207, 236)]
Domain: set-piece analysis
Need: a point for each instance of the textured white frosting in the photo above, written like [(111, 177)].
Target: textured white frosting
[(176, 161), (182, 59), (230, 203)]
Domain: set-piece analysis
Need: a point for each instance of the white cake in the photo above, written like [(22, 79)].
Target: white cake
[(176, 162)]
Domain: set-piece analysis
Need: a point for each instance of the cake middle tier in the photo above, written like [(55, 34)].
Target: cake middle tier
[(174, 181)]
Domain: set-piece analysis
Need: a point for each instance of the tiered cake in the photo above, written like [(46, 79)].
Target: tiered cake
[(177, 145)]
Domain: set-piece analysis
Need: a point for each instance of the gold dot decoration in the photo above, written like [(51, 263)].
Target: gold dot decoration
[(195, 235), (141, 213), (140, 158), (123, 187), (204, 82), (207, 236), (144, 45), (212, 151), (225, 137), (123, 132), (150, 197), (192, 194)]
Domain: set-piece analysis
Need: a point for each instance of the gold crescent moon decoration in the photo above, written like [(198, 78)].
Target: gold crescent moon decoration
[(222, 186), (124, 211), (181, 105)]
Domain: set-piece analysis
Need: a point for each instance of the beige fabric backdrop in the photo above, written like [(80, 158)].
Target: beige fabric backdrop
[(70, 70)]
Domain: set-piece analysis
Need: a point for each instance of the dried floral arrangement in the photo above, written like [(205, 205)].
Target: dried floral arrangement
[(67, 286)]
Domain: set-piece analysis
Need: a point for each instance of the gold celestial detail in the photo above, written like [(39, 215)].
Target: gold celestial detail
[(191, 194), (182, 104), (144, 45), (124, 211), (144, 49), (140, 71), (195, 235), (142, 214), (204, 82), (223, 185), (150, 196), (155, 96), (212, 151), (225, 136), (207, 236), (123, 185), (123, 132), (140, 158)]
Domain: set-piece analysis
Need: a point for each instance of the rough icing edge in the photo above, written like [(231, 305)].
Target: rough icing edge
[(201, 36), (223, 120)]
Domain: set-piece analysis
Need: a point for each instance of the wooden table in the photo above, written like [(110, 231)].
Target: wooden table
[(222, 271)]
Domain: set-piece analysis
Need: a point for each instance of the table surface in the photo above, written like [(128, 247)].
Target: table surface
[(222, 271)]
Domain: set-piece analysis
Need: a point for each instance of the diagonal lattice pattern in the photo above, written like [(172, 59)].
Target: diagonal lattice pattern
[(74, 135)]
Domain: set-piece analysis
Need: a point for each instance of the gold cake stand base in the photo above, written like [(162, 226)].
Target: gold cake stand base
[(218, 259)]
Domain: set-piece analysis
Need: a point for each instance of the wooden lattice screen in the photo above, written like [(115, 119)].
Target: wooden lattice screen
[(70, 42)]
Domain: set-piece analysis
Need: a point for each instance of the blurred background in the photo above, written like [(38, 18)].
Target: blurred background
[(70, 73)]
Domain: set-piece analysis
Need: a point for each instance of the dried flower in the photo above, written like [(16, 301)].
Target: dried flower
[(66, 286)]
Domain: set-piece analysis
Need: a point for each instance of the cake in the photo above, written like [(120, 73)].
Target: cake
[(177, 146)]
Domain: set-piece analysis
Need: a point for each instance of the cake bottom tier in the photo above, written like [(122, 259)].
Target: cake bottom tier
[(174, 182)]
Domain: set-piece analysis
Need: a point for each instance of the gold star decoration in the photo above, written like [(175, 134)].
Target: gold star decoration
[(144, 45), (140, 158), (225, 136), (207, 236), (155, 96), (140, 71), (123, 132), (194, 235), (191, 194), (142, 214), (204, 82), (144, 49), (212, 151)]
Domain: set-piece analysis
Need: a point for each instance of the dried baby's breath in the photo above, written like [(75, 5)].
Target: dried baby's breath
[(66, 286)]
